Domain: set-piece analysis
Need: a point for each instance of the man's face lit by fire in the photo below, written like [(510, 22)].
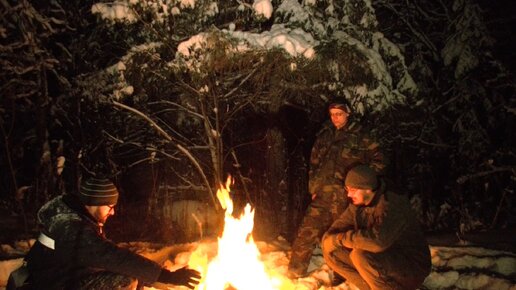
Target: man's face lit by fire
[(101, 212), (360, 196), (339, 118)]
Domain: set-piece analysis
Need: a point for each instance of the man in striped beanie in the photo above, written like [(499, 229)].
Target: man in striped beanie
[(98, 191), (99, 195), (72, 251)]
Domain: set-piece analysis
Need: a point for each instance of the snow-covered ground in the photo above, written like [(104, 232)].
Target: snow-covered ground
[(457, 267)]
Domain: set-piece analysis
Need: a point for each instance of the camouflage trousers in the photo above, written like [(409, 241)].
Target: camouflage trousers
[(321, 213), (104, 280), (389, 270)]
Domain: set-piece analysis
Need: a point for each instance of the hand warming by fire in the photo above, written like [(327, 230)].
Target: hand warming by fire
[(237, 264)]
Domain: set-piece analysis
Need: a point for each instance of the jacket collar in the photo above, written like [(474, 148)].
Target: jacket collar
[(378, 193), (73, 202)]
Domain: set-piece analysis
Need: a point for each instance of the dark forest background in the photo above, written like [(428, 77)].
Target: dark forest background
[(168, 143)]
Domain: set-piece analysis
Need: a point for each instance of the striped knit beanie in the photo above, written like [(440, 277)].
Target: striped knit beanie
[(362, 177), (98, 191)]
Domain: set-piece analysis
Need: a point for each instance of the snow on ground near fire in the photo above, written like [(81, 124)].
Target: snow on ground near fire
[(460, 267)]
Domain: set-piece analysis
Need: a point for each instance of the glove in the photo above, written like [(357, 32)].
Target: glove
[(186, 277)]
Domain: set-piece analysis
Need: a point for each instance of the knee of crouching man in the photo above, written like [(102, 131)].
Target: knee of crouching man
[(327, 244), (358, 255)]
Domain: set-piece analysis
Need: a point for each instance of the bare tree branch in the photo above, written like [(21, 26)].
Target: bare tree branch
[(178, 146)]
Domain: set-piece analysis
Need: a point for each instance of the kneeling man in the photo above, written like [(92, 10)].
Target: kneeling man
[(376, 243)]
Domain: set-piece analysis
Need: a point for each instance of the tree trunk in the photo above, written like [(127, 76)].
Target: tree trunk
[(298, 197), (273, 201)]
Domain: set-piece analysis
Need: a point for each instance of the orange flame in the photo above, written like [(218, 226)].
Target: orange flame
[(237, 263)]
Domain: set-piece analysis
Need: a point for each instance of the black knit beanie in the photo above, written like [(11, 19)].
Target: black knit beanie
[(362, 177), (340, 103), (98, 191)]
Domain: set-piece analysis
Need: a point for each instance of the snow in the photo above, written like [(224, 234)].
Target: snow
[(296, 42), (298, 29), (295, 13), (115, 11), (121, 11), (263, 8), (187, 3), (455, 267), (193, 43)]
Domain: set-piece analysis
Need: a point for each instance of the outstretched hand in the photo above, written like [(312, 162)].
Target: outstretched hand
[(184, 276)]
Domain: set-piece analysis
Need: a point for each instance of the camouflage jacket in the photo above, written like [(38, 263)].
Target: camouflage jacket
[(387, 223), (80, 249), (336, 151)]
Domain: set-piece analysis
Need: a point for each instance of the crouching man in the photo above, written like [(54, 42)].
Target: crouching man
[(376, 243), (73, 253)]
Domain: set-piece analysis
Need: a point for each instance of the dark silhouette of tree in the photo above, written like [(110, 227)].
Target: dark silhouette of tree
[(117, 97)]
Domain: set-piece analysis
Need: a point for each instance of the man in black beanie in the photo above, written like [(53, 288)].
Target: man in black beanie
[(73, 253), (377, 242), (340, 144)]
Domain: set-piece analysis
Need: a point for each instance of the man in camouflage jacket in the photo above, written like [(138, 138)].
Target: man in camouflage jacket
[(377, 242), (338, 147), (73, 253)]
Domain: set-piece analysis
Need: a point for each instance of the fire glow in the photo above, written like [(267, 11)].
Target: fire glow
[(237, 263)]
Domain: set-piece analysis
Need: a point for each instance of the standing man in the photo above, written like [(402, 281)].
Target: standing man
[(73, 253), (377, 242), (339, 146)]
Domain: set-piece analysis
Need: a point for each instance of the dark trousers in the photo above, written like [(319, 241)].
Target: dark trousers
[(390, 269)]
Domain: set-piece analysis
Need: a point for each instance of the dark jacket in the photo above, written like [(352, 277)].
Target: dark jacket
[(335, 151), (80, 249), (386, 224)]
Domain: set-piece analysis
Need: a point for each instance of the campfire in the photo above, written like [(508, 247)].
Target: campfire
[(237, 263)]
